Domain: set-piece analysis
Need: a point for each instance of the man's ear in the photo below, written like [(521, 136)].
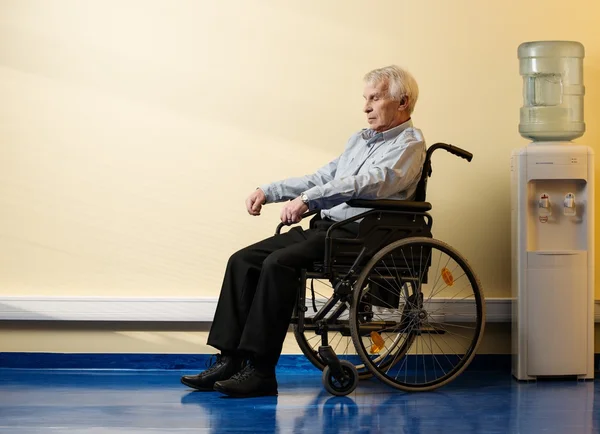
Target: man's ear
[(403, 103)]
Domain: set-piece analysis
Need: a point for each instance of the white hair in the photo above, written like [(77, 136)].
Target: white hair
[(400, 83)]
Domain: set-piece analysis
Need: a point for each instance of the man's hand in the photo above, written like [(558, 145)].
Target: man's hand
[(293, 210), (255, 201)]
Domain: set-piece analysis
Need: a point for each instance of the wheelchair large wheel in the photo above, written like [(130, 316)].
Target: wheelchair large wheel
[(426, 301), (340, 340)]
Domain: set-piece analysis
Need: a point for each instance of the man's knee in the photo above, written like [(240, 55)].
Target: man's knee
[(240, 257)]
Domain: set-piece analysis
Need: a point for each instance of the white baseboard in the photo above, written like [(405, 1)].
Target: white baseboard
[(171, 309), (107, 309)]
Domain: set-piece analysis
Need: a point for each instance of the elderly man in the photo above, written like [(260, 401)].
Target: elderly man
[(261, 281)]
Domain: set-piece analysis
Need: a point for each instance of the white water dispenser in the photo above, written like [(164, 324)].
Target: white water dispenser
[(552, 219)]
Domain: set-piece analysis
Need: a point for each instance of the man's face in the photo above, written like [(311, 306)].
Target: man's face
[(382, 111)]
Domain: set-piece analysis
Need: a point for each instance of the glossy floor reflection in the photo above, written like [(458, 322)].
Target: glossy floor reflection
[(34, 401)]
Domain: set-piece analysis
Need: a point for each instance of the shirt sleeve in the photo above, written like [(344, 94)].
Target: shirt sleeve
[(396, 171), (291, 188)]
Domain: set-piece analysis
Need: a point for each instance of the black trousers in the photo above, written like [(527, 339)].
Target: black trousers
[(260, 289)]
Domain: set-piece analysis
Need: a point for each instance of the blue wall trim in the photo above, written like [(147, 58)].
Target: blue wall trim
[(14, 360), (177, 361), (193, 362)]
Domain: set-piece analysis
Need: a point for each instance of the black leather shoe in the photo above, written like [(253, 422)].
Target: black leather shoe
[(248, 383), (222, 369)]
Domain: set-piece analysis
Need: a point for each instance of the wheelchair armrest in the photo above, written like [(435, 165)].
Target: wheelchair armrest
[(391, 205), (306, 214)]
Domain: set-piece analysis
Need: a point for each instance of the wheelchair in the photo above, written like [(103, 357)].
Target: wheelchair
[(393, 302)]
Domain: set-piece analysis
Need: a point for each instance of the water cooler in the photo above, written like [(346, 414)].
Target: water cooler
[(552, 219)]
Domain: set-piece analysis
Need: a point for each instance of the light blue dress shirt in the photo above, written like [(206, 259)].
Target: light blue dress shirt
[(373, 165)]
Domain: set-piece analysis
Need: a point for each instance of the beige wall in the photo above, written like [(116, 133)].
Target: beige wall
[(131, 131)]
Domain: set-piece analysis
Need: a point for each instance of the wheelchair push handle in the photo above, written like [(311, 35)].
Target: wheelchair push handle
[(459, 152)]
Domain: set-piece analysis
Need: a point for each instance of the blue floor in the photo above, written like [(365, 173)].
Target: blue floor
[(71, 401)]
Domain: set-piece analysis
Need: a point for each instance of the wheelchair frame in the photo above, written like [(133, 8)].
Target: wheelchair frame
[(386, 225)]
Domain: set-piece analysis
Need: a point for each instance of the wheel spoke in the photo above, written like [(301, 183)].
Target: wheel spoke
[(399, 289)]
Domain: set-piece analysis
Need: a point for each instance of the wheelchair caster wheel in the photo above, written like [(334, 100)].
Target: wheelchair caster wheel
[(343, 386)]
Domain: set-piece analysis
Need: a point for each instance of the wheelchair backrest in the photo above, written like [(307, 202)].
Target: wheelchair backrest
[(382, 228), (421, 193)]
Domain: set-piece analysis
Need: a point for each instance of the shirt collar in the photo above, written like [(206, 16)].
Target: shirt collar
[(388, 134)]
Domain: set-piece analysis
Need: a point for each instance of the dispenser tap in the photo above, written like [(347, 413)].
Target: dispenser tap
[(544, 207), (569, 204)]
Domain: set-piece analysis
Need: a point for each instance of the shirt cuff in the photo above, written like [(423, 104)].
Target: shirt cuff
[(270, 197), (313, 195)]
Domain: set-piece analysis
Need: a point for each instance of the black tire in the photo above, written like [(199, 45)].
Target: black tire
[(342, 343), (341, 387), (439, 336)]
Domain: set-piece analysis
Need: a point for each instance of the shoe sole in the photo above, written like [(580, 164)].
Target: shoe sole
[(240, 395), (199, 389)]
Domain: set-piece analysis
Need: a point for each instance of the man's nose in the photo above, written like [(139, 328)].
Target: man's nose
[(367, 108)]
